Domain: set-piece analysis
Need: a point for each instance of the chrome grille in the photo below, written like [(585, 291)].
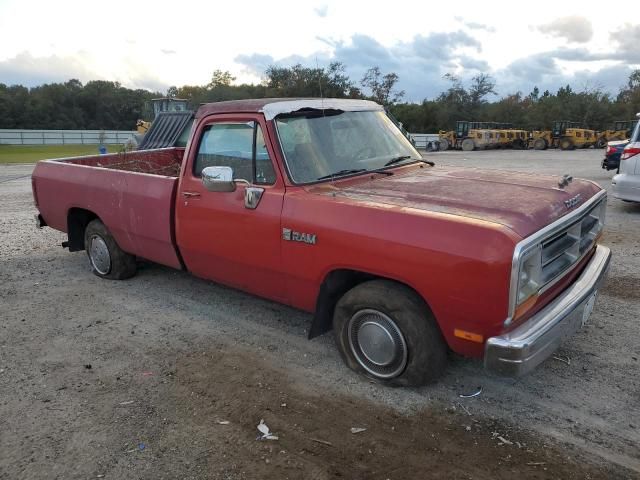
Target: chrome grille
[(567, 247)]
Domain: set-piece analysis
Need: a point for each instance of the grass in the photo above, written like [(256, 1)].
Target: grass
[(33, 153)]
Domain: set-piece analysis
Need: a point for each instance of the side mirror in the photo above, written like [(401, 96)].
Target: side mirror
[(218, 179)]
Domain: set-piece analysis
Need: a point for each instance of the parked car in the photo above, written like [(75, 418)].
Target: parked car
[(324, 205), (612, 153), (626, 184)]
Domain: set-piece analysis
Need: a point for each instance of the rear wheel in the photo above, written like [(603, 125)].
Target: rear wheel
[(105, 256), (385, 331), (468, 145), (566, 144), (601, 143)]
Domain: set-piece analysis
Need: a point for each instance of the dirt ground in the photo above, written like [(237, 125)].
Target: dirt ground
[(138, 379)]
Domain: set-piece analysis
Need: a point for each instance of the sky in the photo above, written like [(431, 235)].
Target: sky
[(154, 45)]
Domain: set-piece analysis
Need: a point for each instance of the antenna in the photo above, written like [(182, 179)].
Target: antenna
[(320, 86)]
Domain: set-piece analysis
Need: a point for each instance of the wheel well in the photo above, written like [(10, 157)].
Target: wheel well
[(77, 221), (334, 286)]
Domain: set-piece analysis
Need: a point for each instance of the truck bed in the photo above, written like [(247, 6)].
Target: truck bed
[(165, 162), (132, 193)]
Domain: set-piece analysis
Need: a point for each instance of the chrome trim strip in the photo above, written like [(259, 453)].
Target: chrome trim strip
[(537, 237), (522, 349)]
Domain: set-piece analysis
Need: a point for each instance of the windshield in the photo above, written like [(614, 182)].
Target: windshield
[(318, 146)]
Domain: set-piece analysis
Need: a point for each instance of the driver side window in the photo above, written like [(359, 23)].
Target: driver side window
[(239, 145)]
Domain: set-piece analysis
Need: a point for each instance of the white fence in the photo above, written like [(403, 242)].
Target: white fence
[(422, 139), (63, 137), (119, 137)]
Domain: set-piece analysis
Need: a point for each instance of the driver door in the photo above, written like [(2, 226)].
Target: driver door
[(219, 236)]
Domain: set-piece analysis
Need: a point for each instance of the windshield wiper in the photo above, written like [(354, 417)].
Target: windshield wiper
[(397, 159), (400, 158), (340, 173)]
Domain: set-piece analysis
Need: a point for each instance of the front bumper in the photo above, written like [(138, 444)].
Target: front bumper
[(522, 349)]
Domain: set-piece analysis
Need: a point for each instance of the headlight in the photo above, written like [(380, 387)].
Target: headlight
[(529, 281)]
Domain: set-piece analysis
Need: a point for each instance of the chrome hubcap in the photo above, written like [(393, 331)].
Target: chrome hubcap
[(99, 255), (377, 343)]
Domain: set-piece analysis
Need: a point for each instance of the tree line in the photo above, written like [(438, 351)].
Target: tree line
[(102, 104)]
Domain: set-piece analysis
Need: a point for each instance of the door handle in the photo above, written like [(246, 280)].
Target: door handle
[(252, 196), (191, 194)]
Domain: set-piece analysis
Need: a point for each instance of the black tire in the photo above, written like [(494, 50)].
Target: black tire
[(444, 144), (421, 354), (601, 143), (539, 144), (566, 144), (468, 145), (518, 144), (117, 265)]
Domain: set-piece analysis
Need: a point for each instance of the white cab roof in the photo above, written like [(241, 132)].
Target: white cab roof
[(271, 110)]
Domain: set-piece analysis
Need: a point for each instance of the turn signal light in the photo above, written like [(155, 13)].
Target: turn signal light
[(473, 337)]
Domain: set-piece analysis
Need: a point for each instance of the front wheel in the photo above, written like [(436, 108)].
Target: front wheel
[(539, 144), (105, 256), (385, 331)]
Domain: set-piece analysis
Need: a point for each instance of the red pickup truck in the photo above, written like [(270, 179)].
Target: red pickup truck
[(324, 205)]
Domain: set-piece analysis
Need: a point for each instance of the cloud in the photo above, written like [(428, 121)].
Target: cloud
[(322, 10), (573, 28), (255, 63), (542, 70), (628, 39), (470, 63), (420, 62), (31, 71), (622, 49), (168, 51), (475, 25), (533, 68)]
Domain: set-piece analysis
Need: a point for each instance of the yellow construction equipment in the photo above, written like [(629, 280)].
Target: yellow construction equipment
[(447, 139), (475, 136), (569, 135), (142, 126), (621, 131), (564, 135), (482, 135), (517, 139), (479, 139), (540, 139), (503, 138)]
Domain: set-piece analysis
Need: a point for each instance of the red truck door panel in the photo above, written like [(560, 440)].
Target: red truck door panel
[(218, 236)]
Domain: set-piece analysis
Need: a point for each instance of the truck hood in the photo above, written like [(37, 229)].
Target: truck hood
[(523, 202)]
